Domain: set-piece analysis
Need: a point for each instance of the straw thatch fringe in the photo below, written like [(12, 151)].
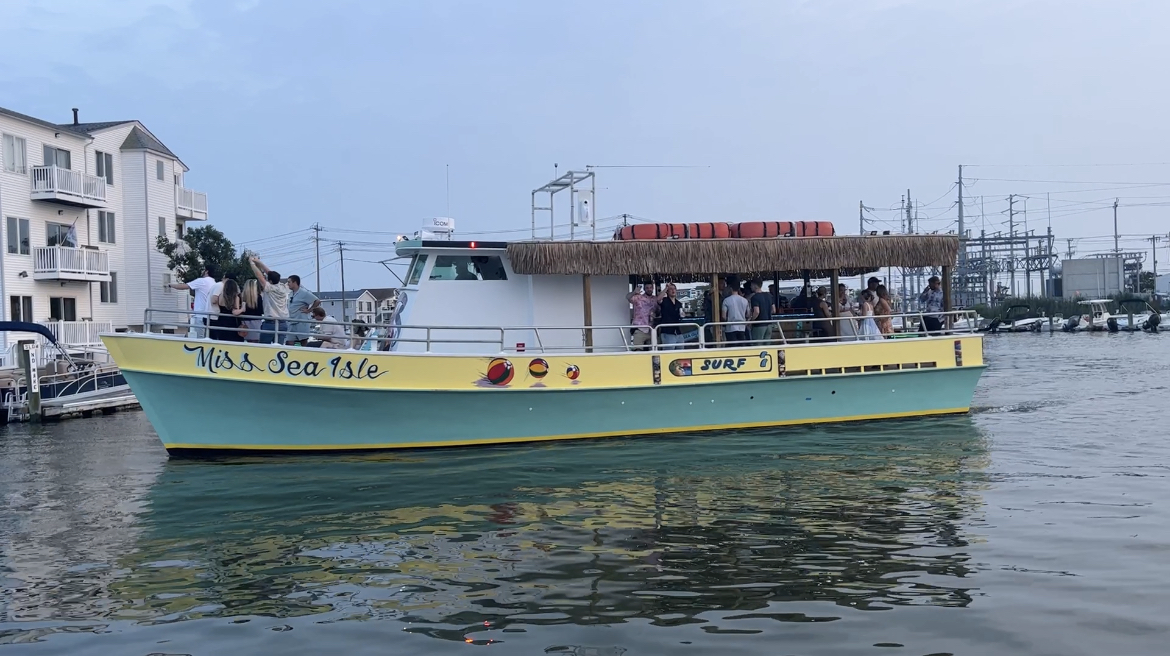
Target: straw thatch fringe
[(683, 256)]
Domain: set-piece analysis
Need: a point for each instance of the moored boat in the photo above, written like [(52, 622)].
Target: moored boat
[(550, 356)]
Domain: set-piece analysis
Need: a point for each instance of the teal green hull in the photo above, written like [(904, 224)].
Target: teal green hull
[(201, 414)]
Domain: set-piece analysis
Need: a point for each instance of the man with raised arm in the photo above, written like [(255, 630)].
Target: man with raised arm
[(274, 327)]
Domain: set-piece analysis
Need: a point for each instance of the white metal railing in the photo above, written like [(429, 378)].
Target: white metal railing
[(501, 339), (69, 260), (68, 182), (78, 333), (190, 200)]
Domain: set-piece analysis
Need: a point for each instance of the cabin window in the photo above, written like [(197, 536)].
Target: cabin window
[(468, 267), (414, 273)]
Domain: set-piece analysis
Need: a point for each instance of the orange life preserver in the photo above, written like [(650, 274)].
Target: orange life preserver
[(651, 231), (760, 229), (815, 229)]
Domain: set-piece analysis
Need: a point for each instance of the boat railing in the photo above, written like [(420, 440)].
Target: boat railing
[(554, 339)]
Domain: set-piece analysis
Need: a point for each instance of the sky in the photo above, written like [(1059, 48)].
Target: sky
[(355, 115)]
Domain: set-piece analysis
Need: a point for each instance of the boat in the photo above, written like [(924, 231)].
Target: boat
[(58, 380), (549, 355)]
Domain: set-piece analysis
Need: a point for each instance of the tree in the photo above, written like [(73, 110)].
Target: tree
[(200, 247), (1146, 281)]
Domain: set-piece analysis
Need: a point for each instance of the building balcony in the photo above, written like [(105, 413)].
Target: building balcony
[(68, 187), (78, 333), (65, 263), (190, 205)]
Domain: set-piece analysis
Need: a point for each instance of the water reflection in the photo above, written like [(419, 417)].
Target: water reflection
[(466, 545)]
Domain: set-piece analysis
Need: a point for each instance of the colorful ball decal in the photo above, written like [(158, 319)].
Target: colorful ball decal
[(538, 368), (500, 372), (573, 372)]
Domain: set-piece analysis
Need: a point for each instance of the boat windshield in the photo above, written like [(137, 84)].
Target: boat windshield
[(414, 272)]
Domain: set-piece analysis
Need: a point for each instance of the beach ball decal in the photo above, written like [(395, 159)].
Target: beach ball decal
[(500, 372), (572, 372), (538, 368)]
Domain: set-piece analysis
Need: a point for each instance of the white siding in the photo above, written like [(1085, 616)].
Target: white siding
[(110, 141), (146, 198), (16, 201)]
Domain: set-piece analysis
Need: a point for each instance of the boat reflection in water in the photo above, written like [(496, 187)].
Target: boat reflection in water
[(464, 544)]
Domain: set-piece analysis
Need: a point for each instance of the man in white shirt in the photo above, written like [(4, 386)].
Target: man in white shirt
[(331, 335), (274, 327), (203, 287)]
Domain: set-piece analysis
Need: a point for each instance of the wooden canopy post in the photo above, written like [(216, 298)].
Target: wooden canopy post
[(946, 290), (834, 301), (587, 294), (716, 309)]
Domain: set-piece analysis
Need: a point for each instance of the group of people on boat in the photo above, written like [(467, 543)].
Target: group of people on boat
[(267, 309), (748, 312)]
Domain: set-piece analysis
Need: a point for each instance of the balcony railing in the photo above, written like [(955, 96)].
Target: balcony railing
[(67, 263), (78, 333), (191, 204), (67, 186)]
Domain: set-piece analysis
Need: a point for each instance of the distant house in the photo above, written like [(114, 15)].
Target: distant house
[(354, 307), (369, 305)]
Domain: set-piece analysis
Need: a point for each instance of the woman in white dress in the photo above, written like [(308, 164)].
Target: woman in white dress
[(868, 327), (846, 324)]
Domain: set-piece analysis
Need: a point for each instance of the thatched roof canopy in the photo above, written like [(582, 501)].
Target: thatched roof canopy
[(704, 256)]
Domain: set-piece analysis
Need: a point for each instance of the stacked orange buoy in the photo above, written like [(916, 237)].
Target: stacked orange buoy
[(746, 230)]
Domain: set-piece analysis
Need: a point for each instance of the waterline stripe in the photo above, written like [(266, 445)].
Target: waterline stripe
[(576, 436)]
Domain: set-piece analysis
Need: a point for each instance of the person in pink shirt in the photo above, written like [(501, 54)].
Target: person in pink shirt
[(644, 301)]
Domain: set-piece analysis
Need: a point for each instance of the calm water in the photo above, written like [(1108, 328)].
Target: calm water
[(1038, 525)]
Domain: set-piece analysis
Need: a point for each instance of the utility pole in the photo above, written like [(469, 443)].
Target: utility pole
[(861, 228), (1070, 248), (341, 252), (1012, 244), (317, 243), (964, 300), (1154, 247), (1117, 250)]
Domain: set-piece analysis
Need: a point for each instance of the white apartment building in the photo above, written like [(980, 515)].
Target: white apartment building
[(82, 205)]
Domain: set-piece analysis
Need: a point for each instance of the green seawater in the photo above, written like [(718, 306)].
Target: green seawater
[(1036, 525)]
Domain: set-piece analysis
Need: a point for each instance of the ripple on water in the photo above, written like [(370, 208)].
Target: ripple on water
[(952, 535)]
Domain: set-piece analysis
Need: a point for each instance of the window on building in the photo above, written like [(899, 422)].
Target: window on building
[(62, 308), (105, 166), (15, 154), (162, 226), (109, 290), (414, 273), (106, 227), (179, 230), (58, 157), (59, 234), (21, 308), (18, 236), (158, 169), (468, 267)]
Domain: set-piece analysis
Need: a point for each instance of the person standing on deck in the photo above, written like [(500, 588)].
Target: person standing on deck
[(670, 312), (931, 302), (882, 309), (823, 327), (643, 300), (761, 310), (275, 295), (202, 286), (301, 302), (735, 311), (872, 285)]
